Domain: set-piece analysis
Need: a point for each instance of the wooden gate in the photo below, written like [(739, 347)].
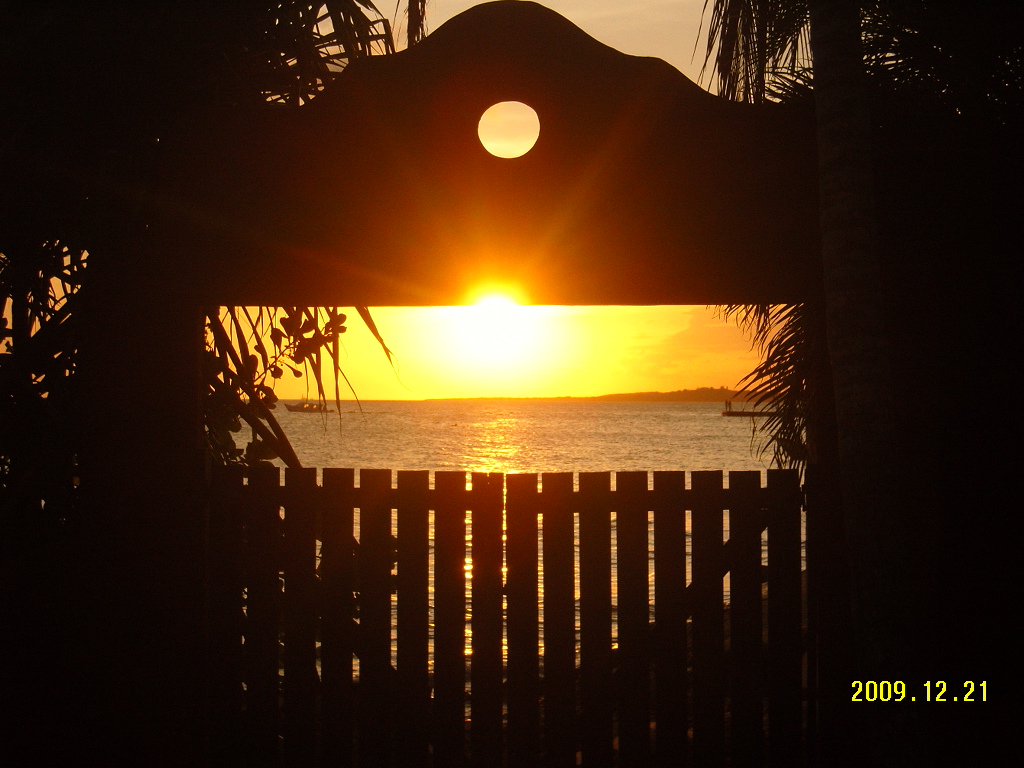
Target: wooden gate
[(505, 621)]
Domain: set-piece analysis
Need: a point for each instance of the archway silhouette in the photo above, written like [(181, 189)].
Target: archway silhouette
[(642, 190)]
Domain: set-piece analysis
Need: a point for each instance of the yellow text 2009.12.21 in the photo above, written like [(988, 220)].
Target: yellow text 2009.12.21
[(929, 690)]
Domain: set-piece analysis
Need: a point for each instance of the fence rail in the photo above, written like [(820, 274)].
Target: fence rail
[(600, 630)]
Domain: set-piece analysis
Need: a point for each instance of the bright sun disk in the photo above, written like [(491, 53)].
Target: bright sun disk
[(496, 332)]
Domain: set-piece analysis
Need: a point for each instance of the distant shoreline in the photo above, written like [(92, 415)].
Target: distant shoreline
[(699, 395)]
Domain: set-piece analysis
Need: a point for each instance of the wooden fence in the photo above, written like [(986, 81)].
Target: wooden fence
[(599, 628)]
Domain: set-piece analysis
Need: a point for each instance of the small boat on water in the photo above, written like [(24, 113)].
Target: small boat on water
[(749, 414), (307, 407)]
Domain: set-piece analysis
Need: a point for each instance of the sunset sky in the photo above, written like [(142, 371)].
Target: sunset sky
[(504, 350), (666, 29), (499, 349)]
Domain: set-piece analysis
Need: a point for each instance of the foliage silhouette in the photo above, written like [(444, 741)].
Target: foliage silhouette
[(954, 63), (79, 148), (39, 295), (240, 370), (919, 106)]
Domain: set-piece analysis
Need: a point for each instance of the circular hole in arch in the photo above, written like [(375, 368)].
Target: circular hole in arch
[(509, 129)]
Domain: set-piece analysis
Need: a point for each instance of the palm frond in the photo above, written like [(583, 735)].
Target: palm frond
[(790, 380), (40, 287), (248, 349), (299, 47), (750, 42)]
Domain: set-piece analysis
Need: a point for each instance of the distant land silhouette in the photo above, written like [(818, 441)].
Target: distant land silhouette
[(699, 395)]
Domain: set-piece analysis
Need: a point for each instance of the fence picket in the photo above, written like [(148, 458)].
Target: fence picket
[(486, 500), (670, 704), (263, 616), (299, 620), (559, 681), (746, 521), (449, 618), (634, 655), (784, 631), (374, 564), (596, 695), (337, 618), (412, 739), (708, 619), (522, 511)]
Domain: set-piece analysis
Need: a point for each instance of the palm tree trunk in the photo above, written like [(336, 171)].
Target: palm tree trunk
[(858, 347), (417, 21)]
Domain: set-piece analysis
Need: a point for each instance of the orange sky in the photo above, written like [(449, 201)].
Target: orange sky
[(510, 350)]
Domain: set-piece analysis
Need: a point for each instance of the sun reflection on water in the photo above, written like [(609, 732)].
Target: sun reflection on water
[(493, 445)]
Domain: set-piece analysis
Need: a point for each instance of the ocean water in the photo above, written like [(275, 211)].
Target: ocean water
[(524, 436)]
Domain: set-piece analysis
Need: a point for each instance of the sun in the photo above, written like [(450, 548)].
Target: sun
[(498, 331)]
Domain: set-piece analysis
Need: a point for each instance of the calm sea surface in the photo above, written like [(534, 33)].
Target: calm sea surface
[(523, 436)]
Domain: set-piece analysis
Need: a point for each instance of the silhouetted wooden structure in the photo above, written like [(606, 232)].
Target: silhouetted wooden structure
[(618, 644), (642, 189), (379, 192)]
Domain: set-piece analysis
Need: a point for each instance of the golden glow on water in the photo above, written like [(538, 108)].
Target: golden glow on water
[(495, 445)]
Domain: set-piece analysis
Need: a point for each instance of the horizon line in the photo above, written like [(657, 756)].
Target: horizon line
[(677, 395)]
